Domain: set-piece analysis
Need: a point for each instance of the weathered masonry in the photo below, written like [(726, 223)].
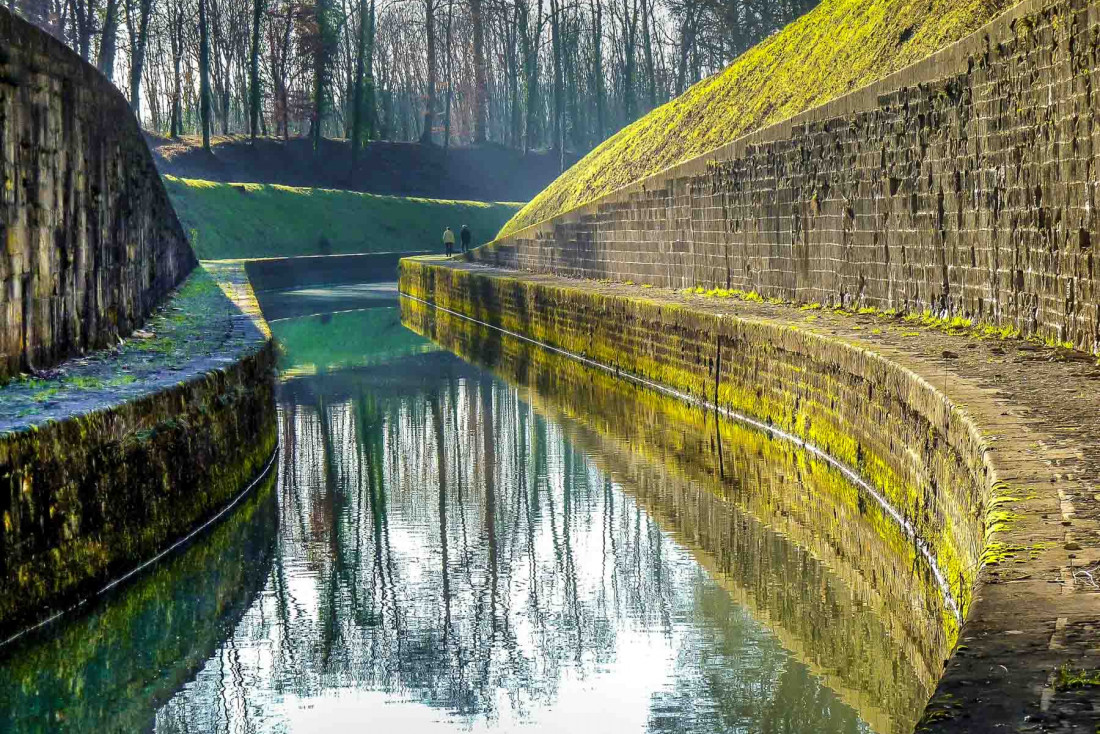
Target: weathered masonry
[(872, 414), (864, 621), (89, 242), (984, 446), (110, 461), (88, 499), (965, 184)]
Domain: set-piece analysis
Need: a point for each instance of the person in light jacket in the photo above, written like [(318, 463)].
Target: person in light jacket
[(449, 241)]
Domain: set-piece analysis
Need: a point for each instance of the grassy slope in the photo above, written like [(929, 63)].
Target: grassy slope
[(839, 46), (257, 220)]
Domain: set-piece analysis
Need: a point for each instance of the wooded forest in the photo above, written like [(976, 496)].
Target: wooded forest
[(526, 74)]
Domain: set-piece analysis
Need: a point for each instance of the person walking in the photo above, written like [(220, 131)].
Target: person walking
[(464, 235), (449, 241)]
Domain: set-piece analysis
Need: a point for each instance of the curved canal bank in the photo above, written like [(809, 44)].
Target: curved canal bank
[(946, 426), (111, 458), (505, 539), (848, 594), (135, 389)]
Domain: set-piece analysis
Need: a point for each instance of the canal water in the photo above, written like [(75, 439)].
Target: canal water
[(504, 542)]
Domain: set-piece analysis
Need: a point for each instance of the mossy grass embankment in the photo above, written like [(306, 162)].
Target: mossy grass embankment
[(246, 220), (839, 46)]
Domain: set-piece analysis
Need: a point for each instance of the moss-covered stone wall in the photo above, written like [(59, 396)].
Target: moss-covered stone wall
[(113, 669), (85, 499), (89, 242), (917, 449), (848, 594), (964, 184)]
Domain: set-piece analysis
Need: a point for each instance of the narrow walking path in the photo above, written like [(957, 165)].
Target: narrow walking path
[(211, 321)]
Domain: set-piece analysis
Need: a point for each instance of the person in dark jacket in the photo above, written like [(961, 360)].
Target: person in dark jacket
[(464, 235)]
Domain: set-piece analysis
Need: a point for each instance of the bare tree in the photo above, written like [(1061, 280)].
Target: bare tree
[(532, 74), (430, 7), (137, 28), (204, 75)]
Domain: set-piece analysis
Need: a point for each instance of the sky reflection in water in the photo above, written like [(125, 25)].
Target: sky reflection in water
[(442, 556)]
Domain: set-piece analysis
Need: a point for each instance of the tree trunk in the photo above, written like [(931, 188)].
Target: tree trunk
[(530, 81), (283, 84), (480, 85), (630, 34), (559, 82), (687, 40), (368, 90), (204, 76), (357, 97), (572, 54), (513, 82), (597, 72), (84, 19), (388, 125), (139, 37), (448, 45), (176, 113), (225, 108), (108, 41), (320, 74), (254, 71), (429, 101), (647, 37)]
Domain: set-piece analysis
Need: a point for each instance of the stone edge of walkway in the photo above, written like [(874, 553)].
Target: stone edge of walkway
[(234, 329)]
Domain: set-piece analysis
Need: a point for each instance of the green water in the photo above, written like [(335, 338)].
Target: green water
[(446, 548)]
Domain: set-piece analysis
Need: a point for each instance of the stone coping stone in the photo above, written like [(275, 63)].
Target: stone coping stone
[(1028, 656), (211, 321)]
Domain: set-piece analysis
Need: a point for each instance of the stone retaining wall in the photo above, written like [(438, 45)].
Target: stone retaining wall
[(920, 451), (88, 498), (964, 184), (89, 242), (846, 592)]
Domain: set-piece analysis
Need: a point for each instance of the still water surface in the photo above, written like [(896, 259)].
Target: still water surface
[(441, 550)]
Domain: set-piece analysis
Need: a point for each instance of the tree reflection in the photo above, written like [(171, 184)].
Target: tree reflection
[(442, 543), (786, 535)]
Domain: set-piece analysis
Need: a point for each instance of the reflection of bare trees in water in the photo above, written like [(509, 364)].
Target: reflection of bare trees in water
[(446, 544)]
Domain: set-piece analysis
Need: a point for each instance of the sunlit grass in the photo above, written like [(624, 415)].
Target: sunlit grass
[(247, 220), (839, 46)]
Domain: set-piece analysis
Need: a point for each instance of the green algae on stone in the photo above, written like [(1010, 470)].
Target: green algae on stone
[(118, 453), (802, 398), (821, 492)]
